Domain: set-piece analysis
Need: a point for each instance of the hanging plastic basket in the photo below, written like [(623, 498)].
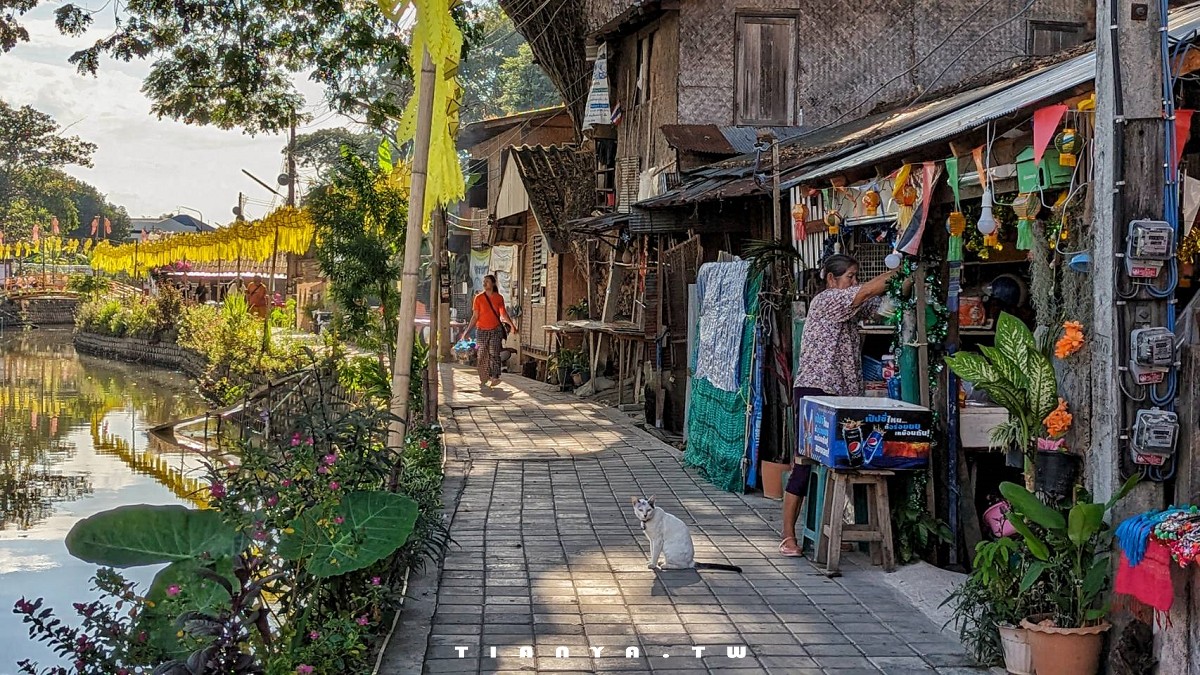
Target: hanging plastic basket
[(1056, 472)]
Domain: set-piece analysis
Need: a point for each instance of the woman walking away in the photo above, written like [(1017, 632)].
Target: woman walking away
[(830, 361), (488, 315)]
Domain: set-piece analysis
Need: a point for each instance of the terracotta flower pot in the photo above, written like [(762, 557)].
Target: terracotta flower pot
[(1064, 651), (1018, 658), (772, 479)]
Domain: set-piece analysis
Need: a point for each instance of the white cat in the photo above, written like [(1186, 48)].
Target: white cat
[(670, 536)]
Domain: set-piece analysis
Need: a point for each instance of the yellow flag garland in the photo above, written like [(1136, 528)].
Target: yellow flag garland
[(436, 31), (251, 241)]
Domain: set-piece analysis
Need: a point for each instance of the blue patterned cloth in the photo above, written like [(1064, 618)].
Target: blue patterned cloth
[(721, 291)]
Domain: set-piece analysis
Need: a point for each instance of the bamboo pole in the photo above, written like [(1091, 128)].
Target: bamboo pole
[(402, 368)]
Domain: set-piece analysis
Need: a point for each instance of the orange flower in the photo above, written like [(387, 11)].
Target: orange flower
[(1059, 421), (1071, 341)]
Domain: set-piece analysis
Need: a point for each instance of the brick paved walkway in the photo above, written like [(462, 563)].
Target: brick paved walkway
[(550, 555)]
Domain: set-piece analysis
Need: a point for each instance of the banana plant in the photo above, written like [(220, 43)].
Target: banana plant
[(1070, 546), (1017, 375)]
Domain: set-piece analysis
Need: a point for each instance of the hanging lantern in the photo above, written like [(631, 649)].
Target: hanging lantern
[(956, 224), (871, 202), (1026, 206), (892, 260), (905, 197), (833, 221), (1067, 143), (799, 218)]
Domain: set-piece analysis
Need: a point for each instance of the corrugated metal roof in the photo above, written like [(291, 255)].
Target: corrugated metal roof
[(1054, 80)]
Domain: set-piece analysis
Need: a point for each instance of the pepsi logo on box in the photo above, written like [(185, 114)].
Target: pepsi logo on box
[(858, 432)]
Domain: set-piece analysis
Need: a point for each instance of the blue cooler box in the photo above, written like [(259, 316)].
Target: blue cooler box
[(858, 432)]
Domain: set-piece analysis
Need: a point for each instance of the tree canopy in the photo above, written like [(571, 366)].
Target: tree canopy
[(498, 74), (321, 151), (33, 187)]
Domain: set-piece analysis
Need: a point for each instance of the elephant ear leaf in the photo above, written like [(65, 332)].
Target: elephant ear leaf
[(1014, 340), (139, 534), (374, 525)]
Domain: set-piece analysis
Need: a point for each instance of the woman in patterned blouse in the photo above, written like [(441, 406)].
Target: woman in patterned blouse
[(830, 360)]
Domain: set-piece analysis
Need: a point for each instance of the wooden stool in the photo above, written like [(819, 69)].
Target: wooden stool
[(877, 531)]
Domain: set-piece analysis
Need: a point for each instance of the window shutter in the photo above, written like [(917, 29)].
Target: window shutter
[(766, 71), (537, 278), (477, 195)]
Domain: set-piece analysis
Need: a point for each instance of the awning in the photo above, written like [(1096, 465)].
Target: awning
[(600, 224), (1048, 83)]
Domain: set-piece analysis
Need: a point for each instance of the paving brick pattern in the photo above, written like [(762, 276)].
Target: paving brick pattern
[(550, 557)]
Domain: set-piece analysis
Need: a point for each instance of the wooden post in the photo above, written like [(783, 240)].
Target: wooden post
[(435, 312), (1128, 185), (402, 368), (778, 227)]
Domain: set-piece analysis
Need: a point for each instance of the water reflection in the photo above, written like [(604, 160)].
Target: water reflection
[(73, 442)]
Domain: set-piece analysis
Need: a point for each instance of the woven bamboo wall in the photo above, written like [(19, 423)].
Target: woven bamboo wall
[(847, 50), (639, 133)]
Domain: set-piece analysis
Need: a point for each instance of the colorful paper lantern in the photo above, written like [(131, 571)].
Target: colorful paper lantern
[(833, 221), (956, 224), (799, 218), (1026, 206), (871, 202), (1067, 143)]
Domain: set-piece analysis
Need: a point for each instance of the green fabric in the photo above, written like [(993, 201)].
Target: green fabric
[(717, 419)]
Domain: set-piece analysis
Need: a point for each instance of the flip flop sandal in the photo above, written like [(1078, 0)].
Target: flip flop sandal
[(798, 553)]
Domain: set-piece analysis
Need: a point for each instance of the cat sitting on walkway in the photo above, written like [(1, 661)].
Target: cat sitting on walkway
[(670, 536)]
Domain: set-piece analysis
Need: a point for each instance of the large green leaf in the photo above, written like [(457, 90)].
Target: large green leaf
[(1014, 340), (1007, 367), (129, 536), (198, 592), (1009, 397), (1083, 522), (1035, 545), (374, 525), (1097, 577), (1031, 577), (1043, 385), (973, 368), (1027, 504), (1124, 490)]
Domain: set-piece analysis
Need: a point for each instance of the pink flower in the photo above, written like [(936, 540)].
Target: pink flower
[(423, 444), (362, 620), (322, 470), (286, 482), (303, 669), (173, 590), (309, 440), (339, 520), (314, 635), (330, 459), (272, 500), (334, 485), (217, 490), (375, 581), (295, 439)]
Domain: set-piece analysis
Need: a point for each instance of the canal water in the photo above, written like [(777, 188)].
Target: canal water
[(74, 442)]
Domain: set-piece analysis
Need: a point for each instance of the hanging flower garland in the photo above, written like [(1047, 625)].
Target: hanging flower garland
[(250, 241)]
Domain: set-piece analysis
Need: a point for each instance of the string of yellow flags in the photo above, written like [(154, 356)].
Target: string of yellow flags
[(249, 241), (51, 245), (435, 30)]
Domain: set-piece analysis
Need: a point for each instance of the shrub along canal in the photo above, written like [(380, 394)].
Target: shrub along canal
[(73, 442)]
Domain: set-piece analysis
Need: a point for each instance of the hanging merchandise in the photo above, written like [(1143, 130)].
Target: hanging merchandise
[(956, 223), (1068, 144), (833, 218), (799, 219), (1026, 206), (871, 202)]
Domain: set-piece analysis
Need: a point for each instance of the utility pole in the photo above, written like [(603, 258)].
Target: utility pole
[(402, 368), (1129, 183)]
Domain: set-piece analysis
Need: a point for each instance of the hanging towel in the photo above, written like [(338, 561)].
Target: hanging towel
[(1148, 581), (722, 291)]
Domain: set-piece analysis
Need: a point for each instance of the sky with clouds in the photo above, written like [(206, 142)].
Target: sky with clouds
[(149, 166)]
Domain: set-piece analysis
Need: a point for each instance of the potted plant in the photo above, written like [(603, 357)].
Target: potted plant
[(1018, 375), (1068, 545), (578, 310), (990, 605)]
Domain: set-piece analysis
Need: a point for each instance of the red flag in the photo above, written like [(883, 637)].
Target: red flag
[(54, 225), (1183, 131), (95, 225), (36, 232), (1045, 121), (107, 227), (145, 236)]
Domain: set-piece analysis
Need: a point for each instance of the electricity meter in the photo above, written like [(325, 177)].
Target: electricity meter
[(1154, 436), (1151, 354), (1148, 247)]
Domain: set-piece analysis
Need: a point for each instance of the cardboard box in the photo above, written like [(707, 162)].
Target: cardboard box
[(858, 432)]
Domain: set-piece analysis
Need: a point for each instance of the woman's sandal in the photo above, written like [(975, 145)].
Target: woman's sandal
[(796, 552)]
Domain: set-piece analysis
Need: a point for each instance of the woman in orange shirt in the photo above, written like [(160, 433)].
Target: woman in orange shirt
[(487, 314)]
